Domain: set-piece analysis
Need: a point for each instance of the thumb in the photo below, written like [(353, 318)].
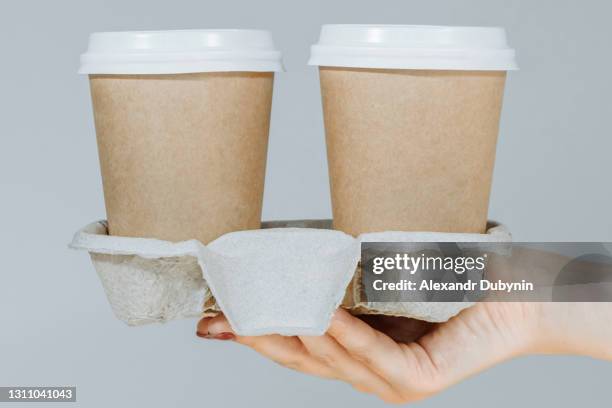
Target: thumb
[(476, 339)]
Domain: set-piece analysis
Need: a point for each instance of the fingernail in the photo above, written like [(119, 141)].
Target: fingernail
[(224, 336), (220, 336)]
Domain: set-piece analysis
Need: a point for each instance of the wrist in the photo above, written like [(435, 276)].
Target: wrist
[(573, 328)]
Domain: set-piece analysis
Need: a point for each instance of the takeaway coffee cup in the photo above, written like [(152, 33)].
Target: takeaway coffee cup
[(182, 120), (411, 119)]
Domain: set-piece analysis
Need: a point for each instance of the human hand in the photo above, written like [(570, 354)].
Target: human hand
[(477, 338)]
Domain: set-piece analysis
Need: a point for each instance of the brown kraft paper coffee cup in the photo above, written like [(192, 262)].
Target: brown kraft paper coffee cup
[(182, 155), (410, 150)]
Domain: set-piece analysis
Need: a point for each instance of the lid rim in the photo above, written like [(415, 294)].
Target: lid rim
[(181, 30), (180, 51), (413, 47)]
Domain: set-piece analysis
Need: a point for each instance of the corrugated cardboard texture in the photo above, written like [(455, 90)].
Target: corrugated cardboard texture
[(410, 150), (182, 156)]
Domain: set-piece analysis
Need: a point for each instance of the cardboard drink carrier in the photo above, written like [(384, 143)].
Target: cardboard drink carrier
[(411, 118)]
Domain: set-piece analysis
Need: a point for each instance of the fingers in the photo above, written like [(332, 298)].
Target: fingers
[(287, 351), (321, 356), (352, 351), (327, 350), (215, 328)]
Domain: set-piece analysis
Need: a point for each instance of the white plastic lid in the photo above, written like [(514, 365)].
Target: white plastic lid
[(413, 47), (180, 51)]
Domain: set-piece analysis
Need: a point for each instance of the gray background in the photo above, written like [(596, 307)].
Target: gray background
[(552, 182)]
